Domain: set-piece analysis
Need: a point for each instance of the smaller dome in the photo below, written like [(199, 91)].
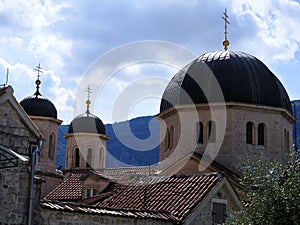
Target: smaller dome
[(86, 123), (37, 105)]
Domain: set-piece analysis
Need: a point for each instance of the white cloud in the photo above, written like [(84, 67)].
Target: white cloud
[(277, 21), (66, 36)]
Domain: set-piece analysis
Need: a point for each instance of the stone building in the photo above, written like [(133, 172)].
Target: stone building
[(19, 136), (44, 115)]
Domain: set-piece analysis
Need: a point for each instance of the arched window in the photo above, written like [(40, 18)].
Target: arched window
[(51, 152), (199, 132), (89, 158), (287, 140), (171, 137), (77, 158), (249, 133), (261, 134), (212, 131), (167, 140)]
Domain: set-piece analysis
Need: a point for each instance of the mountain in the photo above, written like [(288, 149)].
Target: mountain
[(131, 143)]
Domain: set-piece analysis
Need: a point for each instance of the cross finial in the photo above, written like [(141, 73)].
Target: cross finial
[(88, 102), (39, 70), (38, 82), (225, 18)]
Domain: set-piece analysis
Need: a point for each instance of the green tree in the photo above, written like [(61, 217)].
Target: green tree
[(271, 193)]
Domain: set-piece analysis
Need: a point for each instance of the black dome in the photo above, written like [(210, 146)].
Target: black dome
[(86, 123), (37, 105), (242, 78)]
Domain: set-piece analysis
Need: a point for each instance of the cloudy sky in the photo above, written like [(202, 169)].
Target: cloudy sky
[(70, 39)]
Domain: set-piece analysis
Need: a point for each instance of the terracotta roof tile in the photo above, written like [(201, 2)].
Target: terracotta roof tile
[(177, 195), (70, 189), (75, 207), (163, 197)]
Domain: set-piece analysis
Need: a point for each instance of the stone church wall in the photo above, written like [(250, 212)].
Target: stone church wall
[(14, 195), (13, 132), (53, 217)]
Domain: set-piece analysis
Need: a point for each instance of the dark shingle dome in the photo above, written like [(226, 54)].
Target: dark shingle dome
[(242, 78), (37, 105), (86, 123)]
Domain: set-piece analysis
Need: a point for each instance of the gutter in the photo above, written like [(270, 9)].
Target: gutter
[(31, 196)]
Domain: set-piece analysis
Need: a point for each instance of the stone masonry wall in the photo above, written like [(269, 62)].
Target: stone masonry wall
[(13, 132), (52, 217), (14, 195)]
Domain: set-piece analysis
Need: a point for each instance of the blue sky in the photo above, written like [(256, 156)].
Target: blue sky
[(68, 37)]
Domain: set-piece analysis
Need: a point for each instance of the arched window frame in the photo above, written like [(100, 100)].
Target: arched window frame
[(250, 133), (171, 137), (89, 157), (76, 157), (199, 132), (51, 151), (286, 141), (261, 134), (211, 131)]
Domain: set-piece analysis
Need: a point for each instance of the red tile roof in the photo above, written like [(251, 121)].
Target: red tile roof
[(69, 190), (157, 197), (78, 208), (177, 194)]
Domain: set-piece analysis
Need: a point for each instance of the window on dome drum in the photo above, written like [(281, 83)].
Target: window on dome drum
[(261, 134), (219, 211), (211, 131), (77, 157), (286, 140), (89, 158), (249, 133), (199, 132), (167, 139), (51, 152), (171, 136)]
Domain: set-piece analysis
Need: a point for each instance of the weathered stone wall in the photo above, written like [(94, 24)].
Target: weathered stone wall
[(50, 182), (14, 195), (47, 126), (13, 132), (53, 217), (204, 215)]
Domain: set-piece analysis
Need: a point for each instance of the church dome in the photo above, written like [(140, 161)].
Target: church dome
[(86, 123), (37, 105), (242, 79)]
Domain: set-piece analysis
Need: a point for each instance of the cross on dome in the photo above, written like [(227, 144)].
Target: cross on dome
[(225, 18), (38, 82), (88, 101)]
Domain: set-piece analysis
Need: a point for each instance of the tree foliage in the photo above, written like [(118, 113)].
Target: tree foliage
[(271, 193)]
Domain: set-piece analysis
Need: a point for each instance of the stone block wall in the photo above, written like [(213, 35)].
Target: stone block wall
[(53, 217), (14, 195), (13, 132)]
